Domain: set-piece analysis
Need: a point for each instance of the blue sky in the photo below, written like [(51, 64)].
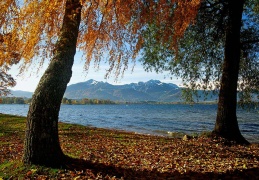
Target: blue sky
[(29, 80)]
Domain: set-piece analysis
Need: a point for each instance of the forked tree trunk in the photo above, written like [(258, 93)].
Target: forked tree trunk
[(41, 142), (226, 123)]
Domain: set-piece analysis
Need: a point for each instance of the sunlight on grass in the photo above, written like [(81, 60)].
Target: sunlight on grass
[(10, 124), (105, 154)]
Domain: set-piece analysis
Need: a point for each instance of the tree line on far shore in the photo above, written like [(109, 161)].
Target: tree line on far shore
[(15, 100), (86, 101), (22, 100)]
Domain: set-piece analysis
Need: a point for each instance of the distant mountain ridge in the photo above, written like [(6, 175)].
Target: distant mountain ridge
[(18, 93), (152, 90)]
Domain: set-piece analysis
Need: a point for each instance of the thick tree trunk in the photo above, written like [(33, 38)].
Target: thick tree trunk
[(41, 142), (226, 123)]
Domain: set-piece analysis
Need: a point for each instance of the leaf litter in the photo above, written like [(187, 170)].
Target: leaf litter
[(111, 154)]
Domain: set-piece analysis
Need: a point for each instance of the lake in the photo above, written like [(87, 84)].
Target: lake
[(147, 118)]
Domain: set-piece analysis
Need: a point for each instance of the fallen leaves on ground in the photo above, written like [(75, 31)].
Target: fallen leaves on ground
[(110, 154)]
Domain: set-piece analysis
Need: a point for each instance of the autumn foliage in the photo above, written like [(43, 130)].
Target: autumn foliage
[(110, 154), (30, 29), (35, 31)]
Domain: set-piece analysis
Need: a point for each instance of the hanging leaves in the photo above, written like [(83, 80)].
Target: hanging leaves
[(109, 28), (6, 80)]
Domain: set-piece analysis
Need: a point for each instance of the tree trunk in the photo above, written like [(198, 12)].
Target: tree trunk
[(226, 123), (41, 142)]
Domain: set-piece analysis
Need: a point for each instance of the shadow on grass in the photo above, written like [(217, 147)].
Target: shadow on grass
[(131, 173)]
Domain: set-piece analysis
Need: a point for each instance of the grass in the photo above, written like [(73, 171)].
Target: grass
[(11, 124), (109, 154)]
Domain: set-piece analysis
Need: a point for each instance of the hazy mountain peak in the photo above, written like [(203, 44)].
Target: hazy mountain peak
[(152, 90), (94, 82), (152, 81), (90, 81), (19, 93)]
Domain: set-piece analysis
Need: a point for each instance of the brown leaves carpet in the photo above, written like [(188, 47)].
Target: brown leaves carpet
[(109, 154)]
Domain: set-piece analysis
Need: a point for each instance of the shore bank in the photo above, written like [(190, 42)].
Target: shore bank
[(112, 154), (149, 119)]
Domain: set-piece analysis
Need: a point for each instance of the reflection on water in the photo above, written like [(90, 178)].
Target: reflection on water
[(150, 119)]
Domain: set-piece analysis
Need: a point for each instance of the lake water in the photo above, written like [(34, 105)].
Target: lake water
[(148, 119)]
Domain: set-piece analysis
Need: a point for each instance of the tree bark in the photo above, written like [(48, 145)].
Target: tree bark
[(226, 123), (42, 142)]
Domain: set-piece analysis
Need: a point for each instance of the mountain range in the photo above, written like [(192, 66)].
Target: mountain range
[(19, 93), (152, 90)]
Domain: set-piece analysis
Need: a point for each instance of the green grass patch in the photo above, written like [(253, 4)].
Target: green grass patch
[(17, 170), (10, 124), (5, 165), (9, 169), (64, 126)]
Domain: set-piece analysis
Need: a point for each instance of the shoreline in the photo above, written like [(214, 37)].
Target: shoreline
[(116, 154), (155, 133)]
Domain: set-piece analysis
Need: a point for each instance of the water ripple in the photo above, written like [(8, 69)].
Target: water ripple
[(149, 119)]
